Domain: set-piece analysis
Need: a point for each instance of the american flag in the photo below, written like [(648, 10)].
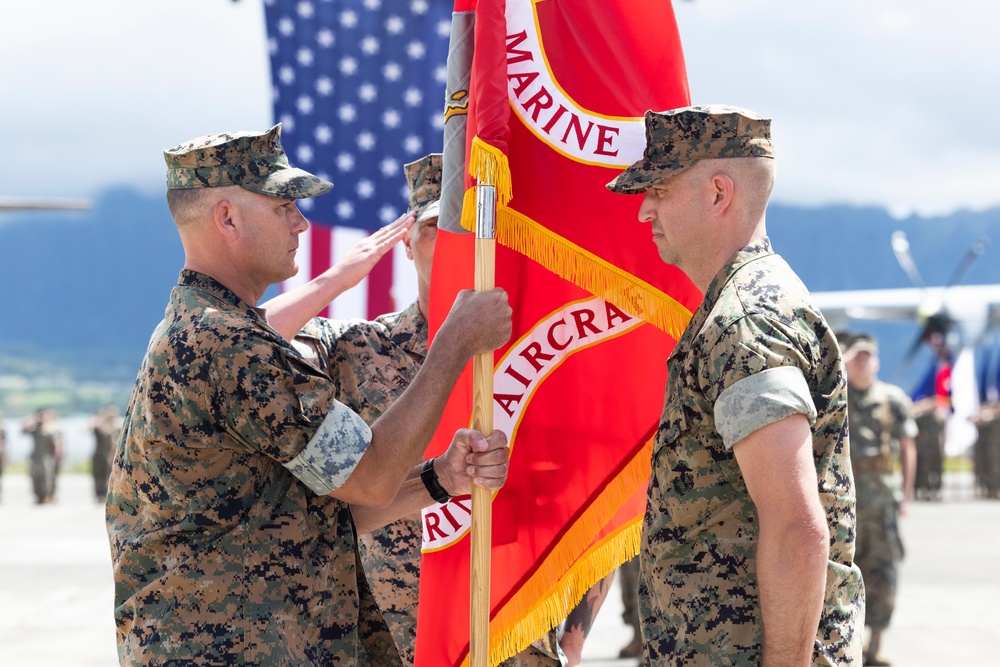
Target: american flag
[(358, 86)]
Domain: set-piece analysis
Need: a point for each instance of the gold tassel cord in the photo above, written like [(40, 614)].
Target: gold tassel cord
[(489, 166)]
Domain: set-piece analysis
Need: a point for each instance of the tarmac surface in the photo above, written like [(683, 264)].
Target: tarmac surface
[(56, 591)]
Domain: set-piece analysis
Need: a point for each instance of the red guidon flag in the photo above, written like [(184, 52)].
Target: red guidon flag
[(579, 388)]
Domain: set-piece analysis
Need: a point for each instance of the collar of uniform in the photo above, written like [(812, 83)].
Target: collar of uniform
[(410, 330), (189, 278), (756, 250)]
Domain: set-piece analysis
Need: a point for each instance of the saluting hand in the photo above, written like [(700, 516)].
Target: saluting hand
[(361, 259)]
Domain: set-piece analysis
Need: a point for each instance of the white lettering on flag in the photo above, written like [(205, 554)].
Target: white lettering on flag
[(571, 329), (545, 108)]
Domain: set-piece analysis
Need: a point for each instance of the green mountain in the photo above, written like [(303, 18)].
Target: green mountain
[(84, 290)]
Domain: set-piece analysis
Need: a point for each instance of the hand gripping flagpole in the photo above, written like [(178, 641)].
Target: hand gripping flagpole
[(482, 420)]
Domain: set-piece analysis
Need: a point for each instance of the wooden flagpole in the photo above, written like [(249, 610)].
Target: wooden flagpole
[(482, 420)]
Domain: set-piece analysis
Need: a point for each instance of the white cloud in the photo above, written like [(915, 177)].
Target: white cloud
[(885, 103), (877, 104)]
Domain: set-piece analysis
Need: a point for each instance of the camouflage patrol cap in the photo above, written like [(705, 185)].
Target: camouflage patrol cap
[(861, 342), (677, 139), (424, 179), (252, 160)]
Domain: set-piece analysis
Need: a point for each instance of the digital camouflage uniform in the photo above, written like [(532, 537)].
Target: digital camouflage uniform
[(227, 547), (45, 436), (879, 417), (371, 364), (755, 351)]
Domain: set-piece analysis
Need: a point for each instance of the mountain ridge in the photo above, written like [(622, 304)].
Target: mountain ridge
[(77, 289)]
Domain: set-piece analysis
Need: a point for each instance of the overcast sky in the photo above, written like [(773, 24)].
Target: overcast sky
[(878, 102)]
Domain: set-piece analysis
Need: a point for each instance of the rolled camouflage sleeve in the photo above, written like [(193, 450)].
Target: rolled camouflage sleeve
[(761, 399), (279, 405), (334, 451), (757, 377)]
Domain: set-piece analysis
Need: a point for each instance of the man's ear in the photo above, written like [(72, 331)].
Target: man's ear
[(406, 242), (226, 218), (722, 193)]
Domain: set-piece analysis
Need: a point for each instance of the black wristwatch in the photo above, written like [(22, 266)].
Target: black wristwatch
[(432, 483)]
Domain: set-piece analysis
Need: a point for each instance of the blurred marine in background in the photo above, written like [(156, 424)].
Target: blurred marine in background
[(882, 431), (46, 453)]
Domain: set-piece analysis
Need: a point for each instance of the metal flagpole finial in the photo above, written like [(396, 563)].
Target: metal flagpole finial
[(486, 211)]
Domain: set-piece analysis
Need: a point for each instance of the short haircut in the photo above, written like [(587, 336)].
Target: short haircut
[(184, 203)]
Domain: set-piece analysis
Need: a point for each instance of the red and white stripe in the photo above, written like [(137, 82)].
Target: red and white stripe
[(391, 286)]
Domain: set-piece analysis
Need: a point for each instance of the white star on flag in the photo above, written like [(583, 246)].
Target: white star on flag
[(358, 86)]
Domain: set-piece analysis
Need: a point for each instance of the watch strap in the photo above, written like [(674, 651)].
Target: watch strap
[(432, 483)]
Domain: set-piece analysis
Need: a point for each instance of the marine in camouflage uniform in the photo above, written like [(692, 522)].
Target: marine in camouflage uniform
[(46, 453), (882, 432), (226, 544), (371, 363), (756, 355), (230, 545)]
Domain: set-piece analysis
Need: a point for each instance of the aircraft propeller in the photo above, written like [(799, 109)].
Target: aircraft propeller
[(936, 323)]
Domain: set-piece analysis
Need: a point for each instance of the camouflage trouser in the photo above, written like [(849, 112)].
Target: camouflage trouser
[(879, 551), (391, 557), (629, 572), (43, 476)]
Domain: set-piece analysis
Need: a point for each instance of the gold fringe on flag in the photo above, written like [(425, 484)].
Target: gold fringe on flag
[(562, 580), (552, 608), (588, 271)]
